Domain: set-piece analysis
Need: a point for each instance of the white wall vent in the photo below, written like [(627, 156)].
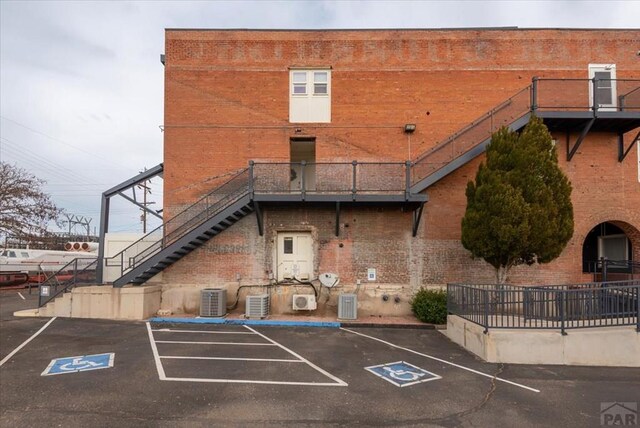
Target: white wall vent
[(348, 307), (213, 302), (304, 302), (257, 306)]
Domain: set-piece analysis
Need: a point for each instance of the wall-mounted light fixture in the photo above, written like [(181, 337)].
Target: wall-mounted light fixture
[(410, 128)]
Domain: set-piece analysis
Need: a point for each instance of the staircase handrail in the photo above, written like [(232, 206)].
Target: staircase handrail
[(168, 238), (61, 287), (470, 125), (517, 105)]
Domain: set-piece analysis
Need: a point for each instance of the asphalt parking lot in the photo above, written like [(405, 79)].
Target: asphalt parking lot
[(202, 375)]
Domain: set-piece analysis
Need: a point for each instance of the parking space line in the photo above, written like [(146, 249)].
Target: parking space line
[(442, 361), (215, 343), (329, 375), (167, 330), (162, 375), (263, 382), (156, 356), (8, 357), (273, 360)]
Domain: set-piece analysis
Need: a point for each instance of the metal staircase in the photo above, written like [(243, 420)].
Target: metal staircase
[(370, 182), (183, 233), (232, 201), (470, 141)]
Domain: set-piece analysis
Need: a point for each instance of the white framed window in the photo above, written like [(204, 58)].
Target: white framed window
[(310, 95), (299, 83), (320, 83)]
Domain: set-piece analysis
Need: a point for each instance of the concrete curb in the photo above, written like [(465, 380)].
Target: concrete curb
[(246, 322), (277, 323), (27, 313), (381, 325)]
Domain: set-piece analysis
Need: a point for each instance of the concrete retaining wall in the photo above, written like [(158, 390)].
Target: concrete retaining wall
[(131, 303), (600, 346)]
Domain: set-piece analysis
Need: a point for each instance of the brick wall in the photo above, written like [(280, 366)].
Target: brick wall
[(226, 102)]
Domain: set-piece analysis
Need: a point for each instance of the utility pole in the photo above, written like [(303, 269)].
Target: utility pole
[(145, 189)]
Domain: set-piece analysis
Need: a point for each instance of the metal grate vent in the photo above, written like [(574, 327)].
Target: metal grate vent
[(213, 302), (348, 307), (257, 306)]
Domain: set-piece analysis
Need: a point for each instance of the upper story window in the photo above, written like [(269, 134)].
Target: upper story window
[(299, 80), (320, 83), (310, 96)]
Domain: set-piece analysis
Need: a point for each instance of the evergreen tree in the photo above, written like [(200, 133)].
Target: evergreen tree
[(519, 209)]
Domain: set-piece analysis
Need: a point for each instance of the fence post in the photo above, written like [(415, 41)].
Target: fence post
[(407, 191), (251, 163), (74, 279), (563, 299), (638, 308), (595, 95), (302, 183), (534, 93), (486, 311), (353, 184)]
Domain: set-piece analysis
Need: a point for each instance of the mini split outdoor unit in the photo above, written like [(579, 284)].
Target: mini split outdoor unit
[(257, 306), (348, 307), (304, 302), (213, 302)]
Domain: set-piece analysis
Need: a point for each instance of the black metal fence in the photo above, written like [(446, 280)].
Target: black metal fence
[(563, 307), (612, 270)]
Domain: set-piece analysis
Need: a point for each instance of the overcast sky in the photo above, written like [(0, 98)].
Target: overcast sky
[(81, 83)]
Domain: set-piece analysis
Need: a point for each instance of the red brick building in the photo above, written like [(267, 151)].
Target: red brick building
[(330, 119)]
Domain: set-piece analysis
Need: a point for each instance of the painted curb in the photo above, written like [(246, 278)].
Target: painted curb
[(276, 323), (325, 324)]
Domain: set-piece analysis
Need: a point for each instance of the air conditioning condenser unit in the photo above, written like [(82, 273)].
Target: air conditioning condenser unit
[(257, 306), (304, 302)]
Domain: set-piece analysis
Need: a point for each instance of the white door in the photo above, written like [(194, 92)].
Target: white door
[(295, 256), (605, 86)]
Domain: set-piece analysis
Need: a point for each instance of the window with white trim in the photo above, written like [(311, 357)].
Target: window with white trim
[(310, 96)]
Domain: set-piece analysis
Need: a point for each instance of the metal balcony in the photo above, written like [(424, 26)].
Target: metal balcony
[(573, 106)]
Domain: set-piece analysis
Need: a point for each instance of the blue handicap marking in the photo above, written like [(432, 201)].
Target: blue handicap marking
[(402, 373), (79, 364)]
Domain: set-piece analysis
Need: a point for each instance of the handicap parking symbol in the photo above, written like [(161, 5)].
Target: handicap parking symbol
[(79, 364), (402, 373)]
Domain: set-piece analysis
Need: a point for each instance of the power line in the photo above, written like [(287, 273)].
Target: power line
[(46, 163), (35, 131)]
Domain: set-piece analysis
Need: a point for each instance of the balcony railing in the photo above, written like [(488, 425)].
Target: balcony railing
[(585, 94), (330, 178), (543, 95)]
